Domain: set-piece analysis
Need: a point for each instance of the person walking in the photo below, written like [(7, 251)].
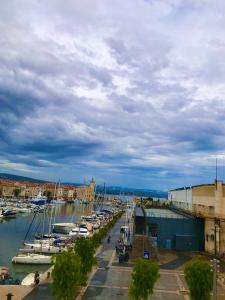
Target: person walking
[(108, 239), (36, 278)]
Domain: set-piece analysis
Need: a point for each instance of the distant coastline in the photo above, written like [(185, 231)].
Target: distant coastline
[(113, 190)]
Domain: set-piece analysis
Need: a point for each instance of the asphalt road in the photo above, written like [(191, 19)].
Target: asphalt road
[(111, 280), (108, 282)]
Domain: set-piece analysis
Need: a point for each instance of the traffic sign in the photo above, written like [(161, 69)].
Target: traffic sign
[(146, 254)]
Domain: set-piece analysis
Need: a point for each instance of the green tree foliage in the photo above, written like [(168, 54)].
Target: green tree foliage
[(66, 275), (84, 247), (199, 278), (16, 192), (144, 277), (48, 194), (70, 268), (97, 237)]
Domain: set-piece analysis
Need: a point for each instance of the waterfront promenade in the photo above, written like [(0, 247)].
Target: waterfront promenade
[(105, 255), (105, 281), (111, 280)]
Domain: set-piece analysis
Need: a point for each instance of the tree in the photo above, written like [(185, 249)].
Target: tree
[(199, 278), (16, 192), (84, 247), (47, 194), (144, 277), (66, 275)]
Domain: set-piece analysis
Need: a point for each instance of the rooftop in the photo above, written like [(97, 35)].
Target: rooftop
[(195, 186), (163, 213)]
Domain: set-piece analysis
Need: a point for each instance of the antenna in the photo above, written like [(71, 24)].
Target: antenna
[(216, 173), (216, 169)]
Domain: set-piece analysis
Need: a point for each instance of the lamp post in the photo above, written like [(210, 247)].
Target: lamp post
[(215, 268), (9, 296), (216, 229)]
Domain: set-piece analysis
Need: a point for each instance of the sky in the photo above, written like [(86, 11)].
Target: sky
[(131, 93)]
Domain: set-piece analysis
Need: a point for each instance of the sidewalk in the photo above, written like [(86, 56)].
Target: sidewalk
[(109, 282)]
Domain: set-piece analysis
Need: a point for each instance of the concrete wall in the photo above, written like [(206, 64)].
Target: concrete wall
[(181, 198), (167, 229), (209, 201), (213, 228)]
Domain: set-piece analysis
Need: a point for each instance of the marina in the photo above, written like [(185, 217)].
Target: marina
[(14, 231)]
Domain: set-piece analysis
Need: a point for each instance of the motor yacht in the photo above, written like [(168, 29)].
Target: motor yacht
[(79, 231)]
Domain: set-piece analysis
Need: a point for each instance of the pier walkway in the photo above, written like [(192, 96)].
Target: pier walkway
[(109, 281)]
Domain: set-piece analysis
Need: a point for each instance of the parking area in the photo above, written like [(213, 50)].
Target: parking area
[(112, 281)]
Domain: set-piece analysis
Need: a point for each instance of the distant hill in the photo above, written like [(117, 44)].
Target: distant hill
[(19, 178), (117, 190), (113, 190)]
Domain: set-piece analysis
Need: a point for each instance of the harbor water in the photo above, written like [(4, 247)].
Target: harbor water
[(14, 230)]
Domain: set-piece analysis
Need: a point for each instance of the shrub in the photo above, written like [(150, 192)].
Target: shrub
[(84, 247), (199, 278), (66, 275), (144, 277)]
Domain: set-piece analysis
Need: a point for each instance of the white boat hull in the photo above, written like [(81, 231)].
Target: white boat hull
[(32, 259), (29, 279), (42, 248), (58, 202), (63, 227)]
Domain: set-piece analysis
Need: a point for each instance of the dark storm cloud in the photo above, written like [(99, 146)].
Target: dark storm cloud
[(133, 98)]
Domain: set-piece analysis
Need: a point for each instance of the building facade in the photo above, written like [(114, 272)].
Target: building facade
[(86, 192), (169, 229), (11, 188), (208, 202)]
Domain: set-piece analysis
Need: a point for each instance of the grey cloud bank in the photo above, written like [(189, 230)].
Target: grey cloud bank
[(130, 92)]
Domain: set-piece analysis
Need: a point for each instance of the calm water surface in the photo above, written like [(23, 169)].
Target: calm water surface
[(13, 231)]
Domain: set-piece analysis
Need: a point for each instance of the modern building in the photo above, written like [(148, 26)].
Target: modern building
[(170, 229), (208, 202)]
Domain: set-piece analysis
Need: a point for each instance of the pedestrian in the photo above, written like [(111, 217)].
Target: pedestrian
[(36, 278), (108, 240)]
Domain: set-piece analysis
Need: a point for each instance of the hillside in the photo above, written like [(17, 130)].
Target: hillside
[(117, 190), (19, 178)]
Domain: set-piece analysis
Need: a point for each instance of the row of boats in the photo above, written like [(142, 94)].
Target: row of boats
[(9, 209), (61, 237)]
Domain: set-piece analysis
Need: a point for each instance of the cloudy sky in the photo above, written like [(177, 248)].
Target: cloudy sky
[(130, 92)]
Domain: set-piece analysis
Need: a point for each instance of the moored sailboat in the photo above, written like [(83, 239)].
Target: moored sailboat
[(42, 248), (31, 258)]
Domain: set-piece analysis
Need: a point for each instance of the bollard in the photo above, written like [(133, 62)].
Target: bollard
[(9, 296)]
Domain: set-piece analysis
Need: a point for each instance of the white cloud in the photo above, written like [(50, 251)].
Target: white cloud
[(7, 165), (119, 84)]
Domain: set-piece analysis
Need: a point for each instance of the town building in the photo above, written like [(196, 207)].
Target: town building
[(7, 188), (86, 192), (25, 190)]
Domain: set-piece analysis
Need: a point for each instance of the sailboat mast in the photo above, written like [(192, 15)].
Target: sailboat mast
[(50, 221), (43, 224), (104, 192)]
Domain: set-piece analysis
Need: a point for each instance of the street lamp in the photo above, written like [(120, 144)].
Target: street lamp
[(216, 226), (215, 267)]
